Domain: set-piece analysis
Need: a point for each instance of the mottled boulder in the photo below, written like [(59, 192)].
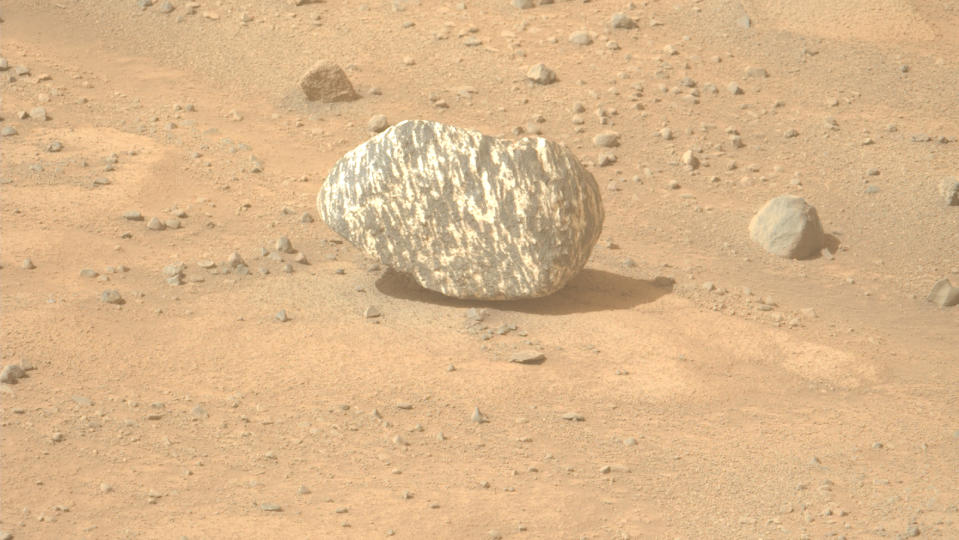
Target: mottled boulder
[(326, 82), (789, 227), (465, 214)]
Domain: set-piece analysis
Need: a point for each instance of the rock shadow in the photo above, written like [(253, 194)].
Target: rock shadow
[(590, 290)]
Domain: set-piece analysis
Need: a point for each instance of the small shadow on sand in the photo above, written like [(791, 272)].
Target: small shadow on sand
[(590, 290)]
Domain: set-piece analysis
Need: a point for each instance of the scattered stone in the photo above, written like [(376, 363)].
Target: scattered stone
[(757, 72), (172, 223), (303, 490), (235, 260), (89, 273), (528, 357), (111, 296), (573, 417), (306, 218), (943, 294), (55, 146), (523, 4), (11, 374), (788, 226), (606, 139), (580, 37), (478, 417), (744, 22), (666, 134), (156, 225), (133, 215), (267, 507), (166, 7), (540, 74), (281, 316), (377, 123), (950, 191), (326, 82), (8, 131), (27, 264), (300, 258), (424, 192), (39, 114), (283, 245), (372, 312), (622, 21), (690, 160), (790, 133), (734, 88)]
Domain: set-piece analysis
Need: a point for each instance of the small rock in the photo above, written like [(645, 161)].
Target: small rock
[(281, 316), (8, 131), (606, 139), (54, 147), (943, 294), (950, 191), (734, 88), (372, 312), (478, 417), (580, 37), (27, 264), (757, 72), (540, 74), (528, 357), (133, 215), (789, 227), (283, 245), (622, 21), (306, 218), (523, 4), (172, 223), (267, 507), (156, 225), (573, 417), (377, 123), (235, 260), (326, 82), (11, 374), (89, 273), (39, 114), (690, 160), (111, 296)]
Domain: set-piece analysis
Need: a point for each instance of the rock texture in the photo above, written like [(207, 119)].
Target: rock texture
[(943, 294), (788, 226), (467, 215), (326, 82)]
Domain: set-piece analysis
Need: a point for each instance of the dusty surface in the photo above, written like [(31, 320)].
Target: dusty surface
[(190, 411)]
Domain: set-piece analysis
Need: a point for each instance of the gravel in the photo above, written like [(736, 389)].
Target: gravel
[(111, 296), (540, 74)]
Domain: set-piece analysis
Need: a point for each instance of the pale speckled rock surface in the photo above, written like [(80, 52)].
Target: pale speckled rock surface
[(788, 226), (467, 215)]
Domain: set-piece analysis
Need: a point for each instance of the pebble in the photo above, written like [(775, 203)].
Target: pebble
[(133, 215), (39, 114), (528, 357), (372, 312), (306, 218), (734, 88), (523, 4), (606, 139), (55, 146), (281, 316), (8, 131), (478, 417), (111, 296), (573, 417), (27, 264), (155, 225), (303, 490), (690, 160), (377, 123), (580, 37), (540, 74), (235, 260), (172, 223), (622, 21), (89, 273), (283, 245), (11, 374), (267, 507)]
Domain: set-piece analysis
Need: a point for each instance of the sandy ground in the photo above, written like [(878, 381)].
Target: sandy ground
[(812, 399)]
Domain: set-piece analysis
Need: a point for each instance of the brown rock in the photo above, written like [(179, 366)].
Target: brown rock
[(326, 82)]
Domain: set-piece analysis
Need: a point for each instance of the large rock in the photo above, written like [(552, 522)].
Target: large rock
[(326, 82), (789, 227), (466, 214)]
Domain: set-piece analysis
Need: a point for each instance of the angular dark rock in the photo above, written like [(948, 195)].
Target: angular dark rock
[(467, 215), (326, 82)]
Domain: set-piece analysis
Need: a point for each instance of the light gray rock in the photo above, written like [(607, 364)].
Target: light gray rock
[(950, 191), (465, 214), (11, 374), (111, 297), (377, 123), (540, 74), (606, 139), (621, 20), (326, 82), (943, 294), (580, 37), (788, 226), (523, 4)]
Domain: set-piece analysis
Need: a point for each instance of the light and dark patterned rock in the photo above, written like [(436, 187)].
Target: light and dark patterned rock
[(467, 215), (789, 227), (326, 82)]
